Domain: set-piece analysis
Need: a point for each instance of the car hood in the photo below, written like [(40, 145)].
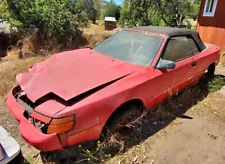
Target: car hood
[(72, 73)]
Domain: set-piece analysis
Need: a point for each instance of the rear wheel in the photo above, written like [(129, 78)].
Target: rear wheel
[(211, 70)]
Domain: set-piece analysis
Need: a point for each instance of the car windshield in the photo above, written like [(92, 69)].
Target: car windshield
[(133, 47)]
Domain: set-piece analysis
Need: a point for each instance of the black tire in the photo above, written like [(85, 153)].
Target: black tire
[(122, 117), (211, 70)]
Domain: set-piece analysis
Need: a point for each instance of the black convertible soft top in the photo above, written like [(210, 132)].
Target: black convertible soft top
[(173, 32)]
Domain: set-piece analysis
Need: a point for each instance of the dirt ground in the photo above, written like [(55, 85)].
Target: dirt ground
[(193, 132), (9, 68), (198, 139), (196, 135)]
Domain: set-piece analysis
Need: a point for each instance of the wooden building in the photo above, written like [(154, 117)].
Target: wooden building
[(211, 22), (110, 23)]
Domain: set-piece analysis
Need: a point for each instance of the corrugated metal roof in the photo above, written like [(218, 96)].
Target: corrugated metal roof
[(110, 19)]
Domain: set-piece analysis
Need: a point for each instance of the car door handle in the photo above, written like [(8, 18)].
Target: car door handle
[(193, 64)]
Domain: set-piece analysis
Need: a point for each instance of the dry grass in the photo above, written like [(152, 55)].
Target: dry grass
[(11, 65), (9, 70), (95, 34), (93, 28), (36, 44), (222, 58)]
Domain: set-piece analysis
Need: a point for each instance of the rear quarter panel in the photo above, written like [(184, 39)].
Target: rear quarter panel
[(204, 59)]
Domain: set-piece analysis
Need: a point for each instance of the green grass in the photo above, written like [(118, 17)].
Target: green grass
[(216, 83)]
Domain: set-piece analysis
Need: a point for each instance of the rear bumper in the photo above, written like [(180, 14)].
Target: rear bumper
[(34, 137)]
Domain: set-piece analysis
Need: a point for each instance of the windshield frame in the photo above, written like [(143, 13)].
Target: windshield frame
[(157, 54)]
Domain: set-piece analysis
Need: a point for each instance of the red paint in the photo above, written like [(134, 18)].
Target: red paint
[(67, 76), (52, 107), (34, 137), (212, 29), (72, 73), (41, 117)]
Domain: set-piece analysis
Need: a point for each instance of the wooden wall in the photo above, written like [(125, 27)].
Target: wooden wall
[(212, 29)]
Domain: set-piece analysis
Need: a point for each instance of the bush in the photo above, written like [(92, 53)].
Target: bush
[(111, 10), (58, 19), (159, 12)]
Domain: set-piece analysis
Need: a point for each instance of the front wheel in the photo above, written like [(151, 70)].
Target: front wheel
[(127, 116)]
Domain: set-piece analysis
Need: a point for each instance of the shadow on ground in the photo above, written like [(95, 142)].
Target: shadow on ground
[(151, 123)]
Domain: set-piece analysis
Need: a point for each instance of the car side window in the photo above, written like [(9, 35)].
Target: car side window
[(179, 48)]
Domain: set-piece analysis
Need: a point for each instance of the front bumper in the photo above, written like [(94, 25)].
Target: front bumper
[(33, 136)]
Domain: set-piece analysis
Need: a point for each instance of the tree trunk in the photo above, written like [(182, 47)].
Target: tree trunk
[(159, 6)]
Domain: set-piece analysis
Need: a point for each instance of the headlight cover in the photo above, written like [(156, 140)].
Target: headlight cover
[(61, 125)]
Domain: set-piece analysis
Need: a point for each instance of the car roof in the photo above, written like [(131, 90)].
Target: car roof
[(173, 32)]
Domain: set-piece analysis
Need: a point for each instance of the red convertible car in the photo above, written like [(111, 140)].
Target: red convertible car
[(73, 96)]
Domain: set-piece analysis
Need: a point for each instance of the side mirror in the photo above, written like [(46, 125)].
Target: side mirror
[(165, 64)]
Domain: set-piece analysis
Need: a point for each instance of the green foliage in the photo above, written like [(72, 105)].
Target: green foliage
[(59, 19), (173, 13), (91, 8), (3, 9), (136, 13), (111, 10), (156, 19)]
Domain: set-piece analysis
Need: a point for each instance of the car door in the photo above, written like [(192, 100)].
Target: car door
[(202, 61), (168, 82)]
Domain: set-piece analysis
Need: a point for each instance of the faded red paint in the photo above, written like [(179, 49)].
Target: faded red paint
[(212, 29), (72, 73), (30, 133), (52, 74)]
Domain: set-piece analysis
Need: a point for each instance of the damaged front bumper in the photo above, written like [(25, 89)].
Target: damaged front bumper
[(41, 141)]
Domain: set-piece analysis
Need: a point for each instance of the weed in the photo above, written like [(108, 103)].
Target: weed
[(146, 125), (216, 83)]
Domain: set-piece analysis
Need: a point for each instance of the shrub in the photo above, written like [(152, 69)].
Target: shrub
[(58, 19), (111, 10)]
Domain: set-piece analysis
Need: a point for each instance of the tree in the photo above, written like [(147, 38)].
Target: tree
[(159, 12), (58, 19), (91, 10), (111, 10), (174, 12), (136, 12)]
